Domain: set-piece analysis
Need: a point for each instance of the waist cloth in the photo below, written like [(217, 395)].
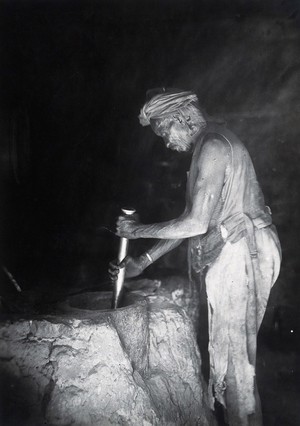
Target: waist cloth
[(205, 249), (243, 258)]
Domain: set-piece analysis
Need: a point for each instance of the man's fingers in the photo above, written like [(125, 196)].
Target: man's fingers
[(114, 268), (123, 263), (113, 265), (121, 220)]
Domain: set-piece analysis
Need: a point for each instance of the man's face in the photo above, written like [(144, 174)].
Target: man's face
[(174, 131)]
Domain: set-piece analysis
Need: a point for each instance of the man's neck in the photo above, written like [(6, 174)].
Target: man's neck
[(197, 137)]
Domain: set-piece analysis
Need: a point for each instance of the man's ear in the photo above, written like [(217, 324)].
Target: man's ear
[(192, 129)]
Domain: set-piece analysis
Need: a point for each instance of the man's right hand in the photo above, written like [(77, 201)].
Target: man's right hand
[(134, 267)]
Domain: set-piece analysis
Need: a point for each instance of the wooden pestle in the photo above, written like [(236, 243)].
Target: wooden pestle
[(123, 249)]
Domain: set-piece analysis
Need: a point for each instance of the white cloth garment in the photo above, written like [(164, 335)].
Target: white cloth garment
[(235, 291)]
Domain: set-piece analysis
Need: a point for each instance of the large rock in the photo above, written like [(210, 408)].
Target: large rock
[(138, 365), (174, 362)]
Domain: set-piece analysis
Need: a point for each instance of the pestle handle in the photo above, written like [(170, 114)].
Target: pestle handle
[(128, 210), (122, 253), (123, 247)]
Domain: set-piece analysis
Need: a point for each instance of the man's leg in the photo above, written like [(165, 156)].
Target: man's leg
[(231, 305), (231, 371)]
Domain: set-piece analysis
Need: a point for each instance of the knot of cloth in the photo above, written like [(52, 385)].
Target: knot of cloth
[(164, 104)]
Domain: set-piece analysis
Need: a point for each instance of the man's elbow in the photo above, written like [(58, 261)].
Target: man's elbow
[(197, 226)]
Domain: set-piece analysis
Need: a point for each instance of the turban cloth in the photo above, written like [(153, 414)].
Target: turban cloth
[(164, 104)]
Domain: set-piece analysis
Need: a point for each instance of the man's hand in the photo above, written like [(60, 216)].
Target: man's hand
[(127, 226), (134, 267)]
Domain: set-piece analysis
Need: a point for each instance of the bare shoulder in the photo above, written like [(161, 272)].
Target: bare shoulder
[(214, 148), (216, 144)]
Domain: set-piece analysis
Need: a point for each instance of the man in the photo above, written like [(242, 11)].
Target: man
[(232, 243)]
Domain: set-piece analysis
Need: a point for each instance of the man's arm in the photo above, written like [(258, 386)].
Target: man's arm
[(158, 250), (211, 168), (136, 265), (163, 247)]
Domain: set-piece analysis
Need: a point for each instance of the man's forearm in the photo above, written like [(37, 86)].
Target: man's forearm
[(163, 247), (159, 249), (183, 227)]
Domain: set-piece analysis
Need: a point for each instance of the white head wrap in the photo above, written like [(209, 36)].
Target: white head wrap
[(164, 104)]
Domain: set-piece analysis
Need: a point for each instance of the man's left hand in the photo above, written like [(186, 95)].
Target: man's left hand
[(127, 227)]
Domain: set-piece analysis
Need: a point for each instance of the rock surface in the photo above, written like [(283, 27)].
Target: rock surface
[(138, 365)]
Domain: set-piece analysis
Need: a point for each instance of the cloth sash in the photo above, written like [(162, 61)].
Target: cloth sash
[(205, 249)]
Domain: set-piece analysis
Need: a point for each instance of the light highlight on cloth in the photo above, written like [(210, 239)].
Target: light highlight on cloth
[(164, 104)]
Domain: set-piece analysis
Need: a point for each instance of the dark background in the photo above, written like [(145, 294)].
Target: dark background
[(73, 78)]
